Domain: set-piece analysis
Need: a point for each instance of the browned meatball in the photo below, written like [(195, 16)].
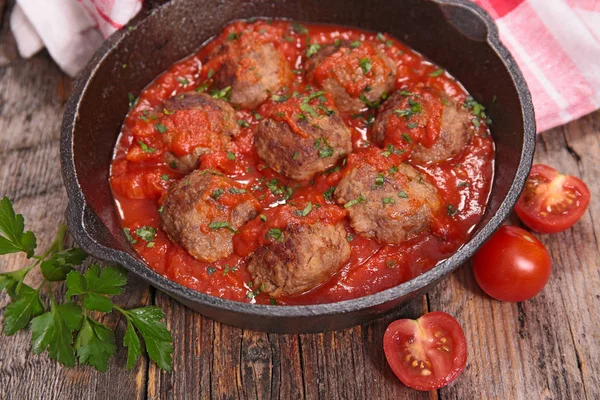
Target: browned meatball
[(425, 121), (356, 76), (194, 124), (307, 256), (252, 68), (202, 211), (302, 136), (388, 207)]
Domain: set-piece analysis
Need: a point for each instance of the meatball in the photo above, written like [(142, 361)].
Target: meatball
[(389, 207), (302, 136), (203, 210), (252, 68), (425, 122), (356, 76), (307, 256), (194, 124)]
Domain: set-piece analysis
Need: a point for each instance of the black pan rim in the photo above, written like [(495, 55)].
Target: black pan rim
[(77, 207)]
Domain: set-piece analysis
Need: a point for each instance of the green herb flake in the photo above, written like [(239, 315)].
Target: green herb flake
[(307, 108), (274, 234), (295, 156), (407, 138), (160, 128), (222, 94), (436, 73), (451, 210), (337, 42), (146, 233), (243, 123), (210, 270), (365, 64), (230, 156), (313, 49), (402, 194), (329, 193), (182, 81), (129, 236), (165, 177), (211, 73), (234, 190), (221, 225), (393, 169), (388, 200), (145, 148), (353, 202), (299, 28), (215, 194), (355, 44), (263, 217), (379, 181), (132, 100), (350, 237), (304, 212)]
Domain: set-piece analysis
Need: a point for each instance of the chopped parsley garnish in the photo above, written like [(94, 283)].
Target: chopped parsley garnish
[(273, 301), (305, 211), (379, 181), (393, 169), (223, 94), (278, 190), (230, 156), (287, 38), (360, 199), (406, 93), (307, 108), (325, 149), (329, 193), (380, 36), (234, 36), (350, 237), (412, 125), (217, 193), (451, 210), (462, 184), (407, 137), (220, 225), (295, 156), (436, 73), (128, 235), (165, 177), (145, 148), (146, 233), (263, 217), (279, 99), (388, 200), (414, 108), (182, 81), (299, 28), (211, 73), (132, 100), (478, 111), (243, 123), (161, 209), (210, 270), (257, 116), (337, 42), (160, 128), (402, 194), (355, 44), (236, 191), (202, 88), (365, 64), (275, 234), (391, 150), (229, 269), (313, 49)]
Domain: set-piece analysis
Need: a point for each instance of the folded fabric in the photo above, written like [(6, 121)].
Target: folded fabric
[(555, 42), (71, 30)]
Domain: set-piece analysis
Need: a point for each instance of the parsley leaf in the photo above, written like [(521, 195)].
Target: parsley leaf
[(436, 73), (365, 64), (60, 264), (95, 344), (132, 342), (358, 200), (305, 211), (13, 239), (275, 234), (54, 331), (156, 335), (18, 314), (221, 224), (313, 49)]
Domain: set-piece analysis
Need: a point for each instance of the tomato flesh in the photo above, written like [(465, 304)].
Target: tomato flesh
[(427, 353), (552, 202), (513, 265)]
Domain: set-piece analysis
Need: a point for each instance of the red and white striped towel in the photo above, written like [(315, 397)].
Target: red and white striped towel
[(555, 42)]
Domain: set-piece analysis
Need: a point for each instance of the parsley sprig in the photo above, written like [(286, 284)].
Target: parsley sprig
[(68, 330)]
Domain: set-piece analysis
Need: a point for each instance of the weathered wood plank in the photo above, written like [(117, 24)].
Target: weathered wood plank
[(547, 347), (32, 96)]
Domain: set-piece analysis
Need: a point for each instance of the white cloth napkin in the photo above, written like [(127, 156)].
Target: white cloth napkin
[(71, 30)]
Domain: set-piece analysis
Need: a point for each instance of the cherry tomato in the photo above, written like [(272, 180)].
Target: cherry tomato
[(513, 265), (552, 202), (427, 353)]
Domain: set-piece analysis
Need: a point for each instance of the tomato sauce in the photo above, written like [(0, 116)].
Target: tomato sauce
[(140, 176)]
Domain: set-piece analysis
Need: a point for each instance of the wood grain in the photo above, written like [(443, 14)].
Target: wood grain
[(545, 348)]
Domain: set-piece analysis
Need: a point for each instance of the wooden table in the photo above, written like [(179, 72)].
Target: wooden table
[(544, 348)]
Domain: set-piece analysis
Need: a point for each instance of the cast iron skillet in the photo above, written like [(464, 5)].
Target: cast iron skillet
[(454, 33)]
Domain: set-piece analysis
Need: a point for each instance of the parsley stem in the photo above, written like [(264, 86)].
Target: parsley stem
[(124, 312)]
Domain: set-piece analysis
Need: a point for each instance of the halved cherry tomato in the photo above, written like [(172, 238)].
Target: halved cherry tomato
[(427, 353), (513, 265), (552, 202)]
